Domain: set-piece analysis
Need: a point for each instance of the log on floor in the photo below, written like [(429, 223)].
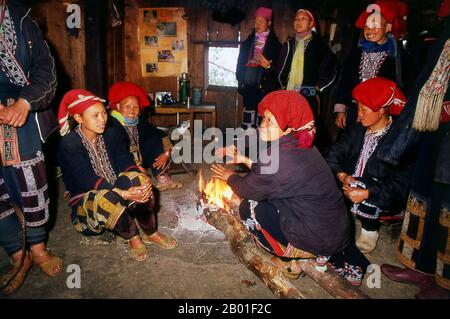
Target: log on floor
[(244, 248), (257, 261)]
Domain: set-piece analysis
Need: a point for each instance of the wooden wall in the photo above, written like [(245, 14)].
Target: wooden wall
[(123, 52), (68, 51), (229, 103)]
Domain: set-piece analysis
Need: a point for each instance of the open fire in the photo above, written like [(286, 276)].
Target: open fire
[(216, 193)]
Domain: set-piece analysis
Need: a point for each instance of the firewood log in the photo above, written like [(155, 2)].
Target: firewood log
[(243, 246)]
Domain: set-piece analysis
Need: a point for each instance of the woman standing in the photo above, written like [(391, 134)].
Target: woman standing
[(255, 70), (307, 65)]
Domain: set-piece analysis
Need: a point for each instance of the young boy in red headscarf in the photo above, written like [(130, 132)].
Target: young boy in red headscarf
[(295, 211), (372, 186), (149, 145)]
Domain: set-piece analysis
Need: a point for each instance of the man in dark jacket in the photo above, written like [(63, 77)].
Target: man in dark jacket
[(254, 71)]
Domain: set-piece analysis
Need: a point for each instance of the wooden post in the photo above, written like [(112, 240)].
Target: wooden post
[(95, 24)]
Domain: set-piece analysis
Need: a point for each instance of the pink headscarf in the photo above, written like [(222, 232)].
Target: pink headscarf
[(264, 12)]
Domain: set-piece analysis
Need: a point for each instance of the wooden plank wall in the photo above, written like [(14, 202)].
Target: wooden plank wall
[(68, 51), (123, 55)]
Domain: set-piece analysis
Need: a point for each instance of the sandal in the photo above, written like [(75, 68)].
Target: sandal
[(13, 283), (290, 269), (139, 253), (48, 266), (163, 241)]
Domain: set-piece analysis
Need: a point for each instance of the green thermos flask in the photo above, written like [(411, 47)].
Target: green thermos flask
[(184, 87)]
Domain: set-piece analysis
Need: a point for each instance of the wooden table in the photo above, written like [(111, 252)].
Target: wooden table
[(183, 109)]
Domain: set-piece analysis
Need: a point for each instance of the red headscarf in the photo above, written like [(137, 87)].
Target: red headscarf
[(313, 25), (121, 90), (394, 11), (378, 93), (291, 109), (74, 102)]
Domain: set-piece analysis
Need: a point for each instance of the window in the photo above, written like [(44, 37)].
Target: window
[(222, 66)]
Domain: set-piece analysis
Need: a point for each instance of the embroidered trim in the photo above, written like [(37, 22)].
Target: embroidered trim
[(8, 45), (133, 135), (6, 213), (371, 140), (370, 64), (98, 156)]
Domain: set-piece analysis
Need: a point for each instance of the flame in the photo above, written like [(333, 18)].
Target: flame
[(216, 191), (201, 182)]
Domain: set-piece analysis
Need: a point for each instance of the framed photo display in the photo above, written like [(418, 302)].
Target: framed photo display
[(163, 41)]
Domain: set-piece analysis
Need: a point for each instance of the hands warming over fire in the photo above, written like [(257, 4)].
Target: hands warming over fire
[(221, 172), (161, 160), (236, 156)]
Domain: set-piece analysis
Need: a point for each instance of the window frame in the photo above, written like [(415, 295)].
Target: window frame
[(220, 44)]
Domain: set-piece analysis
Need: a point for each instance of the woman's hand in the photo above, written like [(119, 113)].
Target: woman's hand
[(16, 114), (161, 160), (233, 152), (140, 194), (341, 120), (221, 172), (356, 194), (264, 62), (345, 179)]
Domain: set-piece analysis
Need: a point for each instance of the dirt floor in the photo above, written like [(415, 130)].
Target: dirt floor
[(203, 266)]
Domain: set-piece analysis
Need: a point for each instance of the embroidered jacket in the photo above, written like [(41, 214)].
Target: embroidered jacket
[(40, 70), (268, 82), (77, 170), (388, 185)]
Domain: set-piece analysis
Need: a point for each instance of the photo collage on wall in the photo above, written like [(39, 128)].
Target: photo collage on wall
[(163, 38)]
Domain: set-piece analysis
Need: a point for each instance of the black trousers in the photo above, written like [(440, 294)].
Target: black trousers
[(141, 214)]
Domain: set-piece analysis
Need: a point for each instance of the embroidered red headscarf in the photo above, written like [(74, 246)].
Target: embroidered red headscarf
[(121, 90), (378, 93), (74, 102), (291, 109), (394, 11)]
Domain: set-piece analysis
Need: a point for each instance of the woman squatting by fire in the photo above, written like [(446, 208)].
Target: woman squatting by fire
[(297, 211)]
